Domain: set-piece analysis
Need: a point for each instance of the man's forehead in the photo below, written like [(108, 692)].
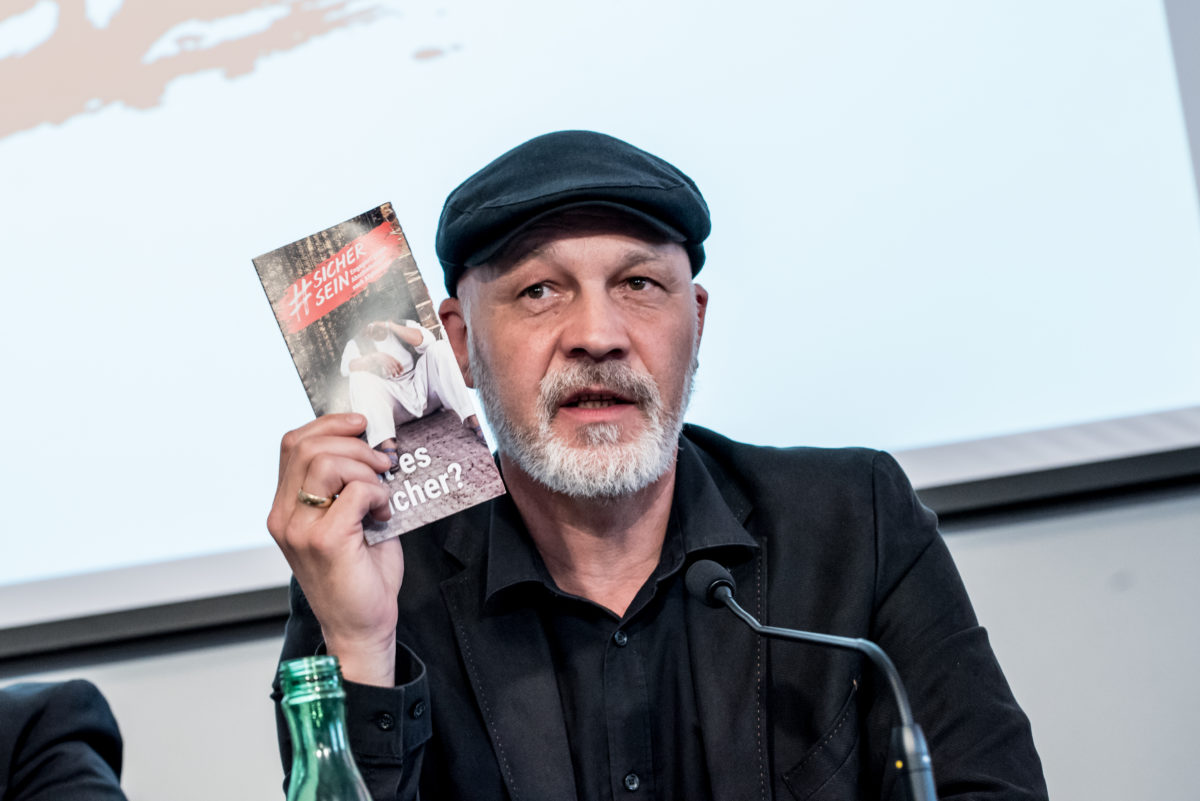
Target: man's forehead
[(560, 171), (545, 235)]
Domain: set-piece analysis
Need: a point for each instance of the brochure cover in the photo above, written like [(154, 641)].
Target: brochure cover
[(363, 334)]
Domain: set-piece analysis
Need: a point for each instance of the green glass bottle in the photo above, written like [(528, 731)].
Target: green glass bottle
[(314, 704)]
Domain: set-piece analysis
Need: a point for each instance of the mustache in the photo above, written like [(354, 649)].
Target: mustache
[(616, 377)]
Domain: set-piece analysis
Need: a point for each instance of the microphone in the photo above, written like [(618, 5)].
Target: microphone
[(712, 584)]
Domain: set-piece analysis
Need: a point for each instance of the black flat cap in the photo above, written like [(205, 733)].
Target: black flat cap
[(561, 170)]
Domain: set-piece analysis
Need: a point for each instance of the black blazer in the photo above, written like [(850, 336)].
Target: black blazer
[(843, 546), (58, 742)]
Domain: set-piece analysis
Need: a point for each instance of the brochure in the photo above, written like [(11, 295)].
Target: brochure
[(364, 337)]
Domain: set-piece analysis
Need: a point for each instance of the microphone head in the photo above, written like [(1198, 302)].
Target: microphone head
[(704, 577)]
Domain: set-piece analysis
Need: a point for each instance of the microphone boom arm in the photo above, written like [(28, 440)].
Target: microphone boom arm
[(876, 654), (917, 765)]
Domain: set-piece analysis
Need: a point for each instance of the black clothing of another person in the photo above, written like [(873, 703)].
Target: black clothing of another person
[(58, 742)]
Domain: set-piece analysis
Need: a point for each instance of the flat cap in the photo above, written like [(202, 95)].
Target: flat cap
[(562, 170)]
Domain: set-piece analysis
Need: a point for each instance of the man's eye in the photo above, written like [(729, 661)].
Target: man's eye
[(638, 283), (535, 292)]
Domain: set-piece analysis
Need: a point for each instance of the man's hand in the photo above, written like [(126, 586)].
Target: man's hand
[(351, 586), (381, 364), (386, 366)]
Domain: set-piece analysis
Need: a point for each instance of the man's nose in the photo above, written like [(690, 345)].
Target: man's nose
[(595, 328)]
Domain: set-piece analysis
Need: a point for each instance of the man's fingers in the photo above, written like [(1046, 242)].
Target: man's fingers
[(390, 366), (298, 459), (356, 501), (328, 425), (312, 529), (327, 473)]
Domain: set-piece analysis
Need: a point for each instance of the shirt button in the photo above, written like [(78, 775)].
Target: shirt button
[(385, 721), (632, 782), (620, 638), (418, 709)]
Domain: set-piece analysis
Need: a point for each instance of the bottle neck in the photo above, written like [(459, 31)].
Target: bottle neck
[(314, 705), (317, 725)]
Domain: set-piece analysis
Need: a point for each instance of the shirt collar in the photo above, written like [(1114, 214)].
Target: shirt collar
[(704, 520)]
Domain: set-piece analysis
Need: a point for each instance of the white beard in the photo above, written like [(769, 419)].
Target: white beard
[(600, 467)]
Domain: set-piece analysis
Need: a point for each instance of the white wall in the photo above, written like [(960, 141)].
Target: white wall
[(1094, 618), (1092, 612)]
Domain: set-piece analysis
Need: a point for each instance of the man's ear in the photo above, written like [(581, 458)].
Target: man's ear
[(701, 309), (455, 325)]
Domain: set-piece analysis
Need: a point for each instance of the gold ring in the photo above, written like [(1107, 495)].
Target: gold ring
[(319, 501)]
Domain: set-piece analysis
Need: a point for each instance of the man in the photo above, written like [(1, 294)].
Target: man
[(388, 386), (543, 645)]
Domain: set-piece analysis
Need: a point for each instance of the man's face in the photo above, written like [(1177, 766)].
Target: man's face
[(583, 352)]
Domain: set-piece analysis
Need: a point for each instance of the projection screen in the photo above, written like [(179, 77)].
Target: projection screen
[(964, 232)]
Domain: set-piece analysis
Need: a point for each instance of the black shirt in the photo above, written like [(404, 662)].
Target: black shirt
[(625, 683)]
